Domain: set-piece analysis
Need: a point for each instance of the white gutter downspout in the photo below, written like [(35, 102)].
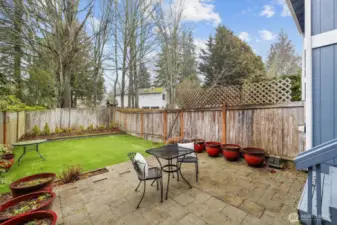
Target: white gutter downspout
[(308, 99)]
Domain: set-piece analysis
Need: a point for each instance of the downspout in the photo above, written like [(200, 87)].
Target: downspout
[(308, 99)]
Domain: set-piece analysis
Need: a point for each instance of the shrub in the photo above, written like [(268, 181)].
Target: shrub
[(81, 129), (71, 174), (101, 127), (113, 125), (58, 130), (46, 129), (36, 131), (90, 127), (68, 130)]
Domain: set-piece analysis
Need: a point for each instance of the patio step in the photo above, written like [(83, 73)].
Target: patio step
[(326, 200)]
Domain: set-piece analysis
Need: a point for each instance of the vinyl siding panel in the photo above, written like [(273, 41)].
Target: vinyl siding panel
[(324, 94), (324, 16)]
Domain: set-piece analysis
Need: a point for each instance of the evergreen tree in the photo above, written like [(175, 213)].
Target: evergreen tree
[(283, 59), (144, 77), (229, 61)]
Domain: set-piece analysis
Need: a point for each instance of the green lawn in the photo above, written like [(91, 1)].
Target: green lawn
[(89, 153)]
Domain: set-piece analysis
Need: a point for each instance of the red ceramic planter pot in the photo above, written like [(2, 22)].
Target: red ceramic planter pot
[(25, 218), (254, 156), (47, 205), (231, 152), (199, 145), (213, 148), (9, 161), (46, 186)]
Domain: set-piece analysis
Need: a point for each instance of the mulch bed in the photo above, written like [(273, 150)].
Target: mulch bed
[(6, 196), (65, 135)]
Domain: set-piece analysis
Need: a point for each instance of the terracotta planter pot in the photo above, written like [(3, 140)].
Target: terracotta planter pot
[(45, 186), (213, 148), (25, 218), (231, 152), (47, 205), (199, 145), (254, 156)]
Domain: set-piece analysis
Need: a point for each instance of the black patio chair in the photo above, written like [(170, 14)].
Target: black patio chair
[(154, 173), (189, 159)]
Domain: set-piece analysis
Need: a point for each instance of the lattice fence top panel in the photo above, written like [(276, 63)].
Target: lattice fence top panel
[(268, 92)]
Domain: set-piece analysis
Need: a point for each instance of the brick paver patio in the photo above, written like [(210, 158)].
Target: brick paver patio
[(227, 193)]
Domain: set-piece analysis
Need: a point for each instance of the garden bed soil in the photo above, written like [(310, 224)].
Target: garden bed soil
[(66, 135), (25, 203), (34, 218), (84, 175)]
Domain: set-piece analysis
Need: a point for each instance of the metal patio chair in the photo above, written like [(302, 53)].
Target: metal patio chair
[(193, 158), (154, 173)]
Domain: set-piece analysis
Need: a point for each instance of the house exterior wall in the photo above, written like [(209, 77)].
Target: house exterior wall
[(324, 73), (146, 100)]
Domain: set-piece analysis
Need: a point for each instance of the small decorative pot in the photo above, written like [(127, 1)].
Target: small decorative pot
[(213, 148), (44, 186), (231, 151), (254, 156), (14, 201), (199, 145), (38, 215)]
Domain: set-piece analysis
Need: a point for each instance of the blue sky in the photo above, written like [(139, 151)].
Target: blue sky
[(256, 21)]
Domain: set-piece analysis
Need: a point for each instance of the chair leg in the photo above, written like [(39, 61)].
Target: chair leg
[(153, 182), (177, 172), (138, 185), (143, 195), (196, 171), (161, 189), (157, 184)]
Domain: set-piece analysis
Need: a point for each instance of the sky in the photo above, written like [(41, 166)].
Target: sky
[(256, 22)]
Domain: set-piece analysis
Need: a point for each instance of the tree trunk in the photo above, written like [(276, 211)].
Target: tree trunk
[(17, 47)]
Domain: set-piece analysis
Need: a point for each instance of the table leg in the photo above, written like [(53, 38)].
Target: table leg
[(179, 168), (168, 180), (23, 153), (37, 150)]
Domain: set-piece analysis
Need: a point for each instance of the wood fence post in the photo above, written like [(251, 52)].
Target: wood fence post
[(17, 125), (224, 109), (125, 123), (4, 128), (165, 126), (181, 124), (141, 123)]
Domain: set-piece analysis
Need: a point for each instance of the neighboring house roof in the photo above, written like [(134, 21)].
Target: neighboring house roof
[(297, 10), (145, 91)]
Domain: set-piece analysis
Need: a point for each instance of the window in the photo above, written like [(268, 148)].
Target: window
[(155, 107), (145, 107), (163, 96)]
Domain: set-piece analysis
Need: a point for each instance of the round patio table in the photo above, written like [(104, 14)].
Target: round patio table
[(29, 146)]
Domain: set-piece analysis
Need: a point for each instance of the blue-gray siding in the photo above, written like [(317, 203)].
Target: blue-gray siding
[(324, 16), (324, 94)]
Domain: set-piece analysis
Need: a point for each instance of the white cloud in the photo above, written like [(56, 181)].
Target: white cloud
[(244, 36), (199, 10), (285, 9), (199, 44), (268, 11), (267, 35)]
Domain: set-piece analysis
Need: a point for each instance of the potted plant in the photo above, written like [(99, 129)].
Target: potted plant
[(213, 148), (25, 204), (254, 156), (34, 218), (231, 151), (7, 157), (33, 183), (199, 145)]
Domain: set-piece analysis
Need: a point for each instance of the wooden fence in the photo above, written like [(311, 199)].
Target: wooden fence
[(272, 127), (15, 124)]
